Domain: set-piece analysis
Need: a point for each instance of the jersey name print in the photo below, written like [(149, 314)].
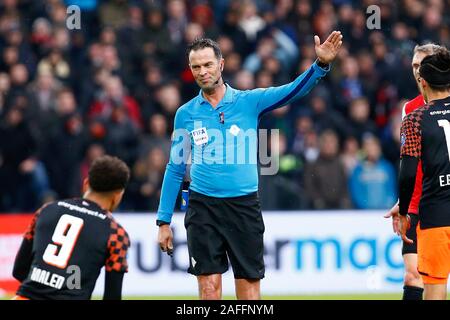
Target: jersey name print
[(67, 236)]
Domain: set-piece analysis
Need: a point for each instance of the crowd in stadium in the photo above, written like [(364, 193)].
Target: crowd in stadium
[(114, 85)]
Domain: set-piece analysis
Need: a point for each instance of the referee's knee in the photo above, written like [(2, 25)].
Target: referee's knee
[(209, 289)]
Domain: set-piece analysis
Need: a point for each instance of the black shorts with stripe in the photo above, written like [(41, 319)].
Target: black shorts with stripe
[(222, 230)]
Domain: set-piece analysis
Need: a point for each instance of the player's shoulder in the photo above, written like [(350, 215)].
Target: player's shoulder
[(184, 108), (117, 229), (414, 104), (185, 111), (415, 116)]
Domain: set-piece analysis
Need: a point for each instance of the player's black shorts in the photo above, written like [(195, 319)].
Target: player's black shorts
[(219, 229), (411, 234)]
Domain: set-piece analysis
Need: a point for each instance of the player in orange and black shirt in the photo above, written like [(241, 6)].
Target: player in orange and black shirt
[(413, 285), (69, 241), (425, 137)]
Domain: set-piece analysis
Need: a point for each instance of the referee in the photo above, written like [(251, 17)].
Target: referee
[(223, 219)]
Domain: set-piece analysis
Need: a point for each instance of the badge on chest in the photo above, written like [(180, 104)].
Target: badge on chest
[(200, 136)]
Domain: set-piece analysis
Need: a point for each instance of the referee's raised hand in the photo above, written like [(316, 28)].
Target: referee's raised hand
[(327, 51)]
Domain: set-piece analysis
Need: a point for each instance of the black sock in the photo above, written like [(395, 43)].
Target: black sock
[(412, 293)]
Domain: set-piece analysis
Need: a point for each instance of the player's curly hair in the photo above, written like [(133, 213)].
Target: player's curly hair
[(108, 174)]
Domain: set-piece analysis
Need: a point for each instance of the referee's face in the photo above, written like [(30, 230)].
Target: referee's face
[(206, 68)]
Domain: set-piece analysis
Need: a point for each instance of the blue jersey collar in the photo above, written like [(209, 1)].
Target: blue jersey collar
[(227, 98)]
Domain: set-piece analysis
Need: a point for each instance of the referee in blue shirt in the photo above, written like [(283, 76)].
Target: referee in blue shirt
[(223, 219)]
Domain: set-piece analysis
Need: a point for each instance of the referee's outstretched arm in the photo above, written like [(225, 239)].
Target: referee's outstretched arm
[(275, 97)]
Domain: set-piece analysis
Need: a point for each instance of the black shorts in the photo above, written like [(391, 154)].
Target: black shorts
[(411, 234), (222, 229)]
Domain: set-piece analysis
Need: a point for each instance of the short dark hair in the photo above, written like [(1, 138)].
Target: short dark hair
[(435, 69), (202, 43), (108, 174)]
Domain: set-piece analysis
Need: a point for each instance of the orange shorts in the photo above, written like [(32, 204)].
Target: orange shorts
[(433, 253), (19, 298)]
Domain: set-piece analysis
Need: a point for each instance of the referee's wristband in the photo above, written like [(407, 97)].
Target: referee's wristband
[(161, 222), (322, 65)]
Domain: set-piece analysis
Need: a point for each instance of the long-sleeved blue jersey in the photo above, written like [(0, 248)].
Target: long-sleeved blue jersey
[(222, 142)]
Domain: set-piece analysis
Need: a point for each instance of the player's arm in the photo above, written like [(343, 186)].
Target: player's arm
[(275, 97), (116, 264), (113, 285), (24, 256), (23, 260), (410, 154)]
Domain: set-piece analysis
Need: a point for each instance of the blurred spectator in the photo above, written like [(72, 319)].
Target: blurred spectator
[(168, 100), (360, 123), (67, 147), (324, 117), (10, 58), (203, 15), (303, 125), (232, 65), (177, 19), (244, 80), (311, 150), (19, 79), (373, 181), (232, 28), (156, 135), (157, 41), (278, 45), (145, 186), (23, 180), (41, 37), (350, 155), (249, 20), (325, 178), (113, 97), (391, 141), (350, 86), (93, 151), (111, 13), (44, 90), (281, 190), (121, 135), (5, 85)]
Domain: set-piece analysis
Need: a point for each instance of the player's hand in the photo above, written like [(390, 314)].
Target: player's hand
[(404, 225), (165, 239), (327, 51), (394, 213)]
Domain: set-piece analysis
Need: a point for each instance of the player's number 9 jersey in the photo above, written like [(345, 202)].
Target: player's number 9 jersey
[(72, 241)]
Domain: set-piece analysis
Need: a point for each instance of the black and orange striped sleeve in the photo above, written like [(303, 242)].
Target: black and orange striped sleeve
[(29, 232), (118, 244), (411, 135), (24, 257)]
